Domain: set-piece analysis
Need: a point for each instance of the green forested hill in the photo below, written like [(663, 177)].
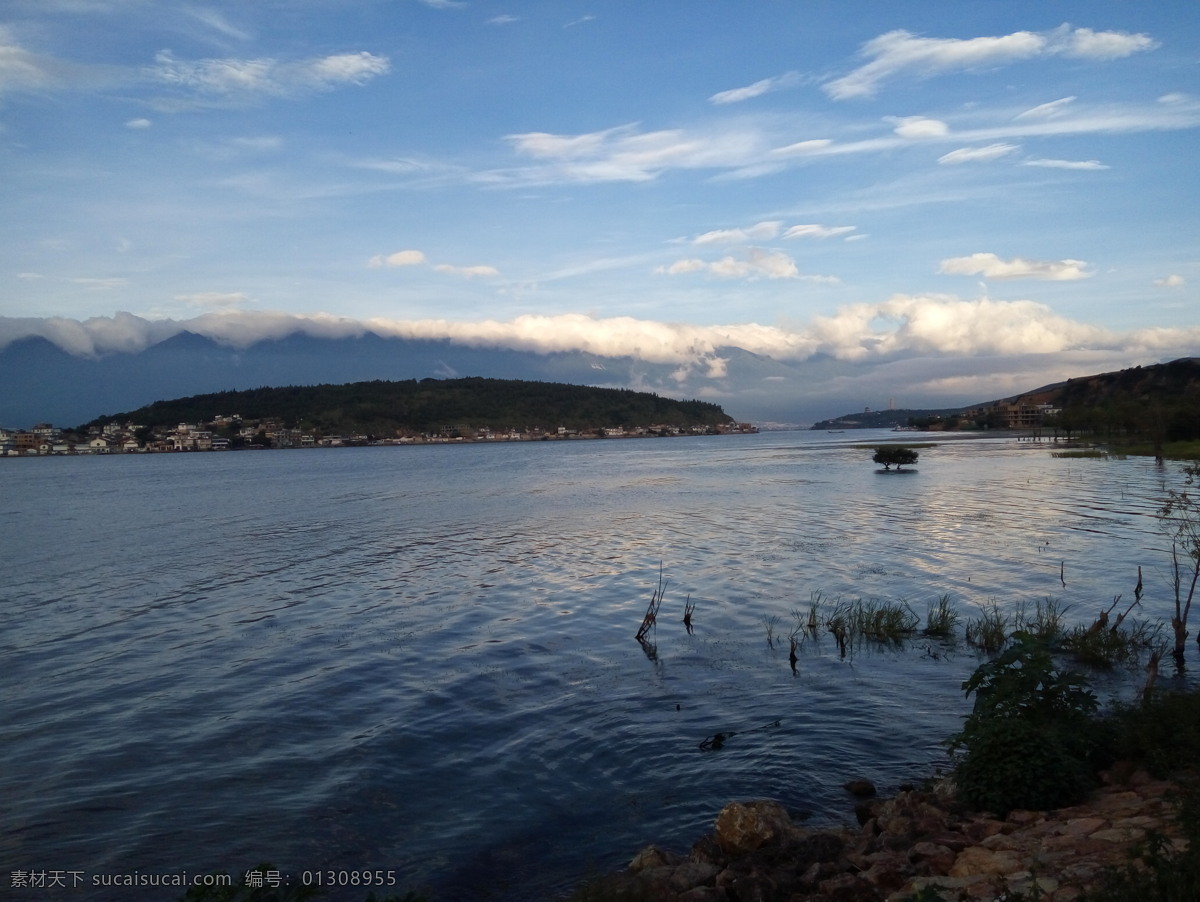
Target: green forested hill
[(1159, 402), (384, 408)]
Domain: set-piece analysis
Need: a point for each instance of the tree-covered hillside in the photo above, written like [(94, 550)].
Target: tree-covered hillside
[(1159, 403), (388, 408)]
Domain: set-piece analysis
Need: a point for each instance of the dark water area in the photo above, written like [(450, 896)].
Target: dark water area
[(422, 661)]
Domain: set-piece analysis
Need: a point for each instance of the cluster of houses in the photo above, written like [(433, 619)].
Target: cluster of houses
[(227, 432)]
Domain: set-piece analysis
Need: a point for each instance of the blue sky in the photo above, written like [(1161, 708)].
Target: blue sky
[(882, 183)]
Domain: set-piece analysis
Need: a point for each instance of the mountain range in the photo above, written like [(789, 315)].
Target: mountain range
[(44, 383)]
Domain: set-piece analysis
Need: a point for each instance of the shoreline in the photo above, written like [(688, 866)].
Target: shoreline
[(903, 846)]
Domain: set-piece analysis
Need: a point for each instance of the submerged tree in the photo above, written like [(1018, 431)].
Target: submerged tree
[(1180, 516), (894, 454)]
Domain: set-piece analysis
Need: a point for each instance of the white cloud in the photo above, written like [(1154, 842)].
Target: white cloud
[(1171, 281), (763, 86), (899, 53), (680, 267), (1047, 110), (817, 231), (919, 127), (904, 340), (138, 123), (400, 258), (418, 258), (626, 154), (941, 324), (757, 232), (757, 263), (992, 267), (977, 154), (1066, 164), (1103, 45)]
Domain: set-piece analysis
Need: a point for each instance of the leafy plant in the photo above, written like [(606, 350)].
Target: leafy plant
[(1032, 739)]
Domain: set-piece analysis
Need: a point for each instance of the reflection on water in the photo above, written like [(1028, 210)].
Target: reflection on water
[(424, 659)]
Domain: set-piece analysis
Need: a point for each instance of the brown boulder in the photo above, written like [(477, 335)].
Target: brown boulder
[(745, 826)]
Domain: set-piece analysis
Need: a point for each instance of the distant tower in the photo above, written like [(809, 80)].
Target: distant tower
[(891, 403)]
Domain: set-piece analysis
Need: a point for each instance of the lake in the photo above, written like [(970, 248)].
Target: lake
[(421, 661)]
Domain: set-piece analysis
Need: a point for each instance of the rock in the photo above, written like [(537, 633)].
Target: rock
[(691, 874), (652, 857), (707, 850), (1082, 826), (864, 789), (1021, 816), (745, 826), (888, 873), (930, 858), (977, 861), (848, 888)]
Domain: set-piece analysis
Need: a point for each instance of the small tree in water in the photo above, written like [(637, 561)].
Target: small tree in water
[(894, 454)]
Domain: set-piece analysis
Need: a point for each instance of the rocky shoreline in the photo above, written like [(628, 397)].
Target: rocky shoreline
[(916, 839)]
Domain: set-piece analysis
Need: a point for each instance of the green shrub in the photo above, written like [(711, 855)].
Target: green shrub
[(1032, 739)]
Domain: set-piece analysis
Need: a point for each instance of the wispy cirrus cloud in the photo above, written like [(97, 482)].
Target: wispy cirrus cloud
[(977, 154), (992, 267), (627, 154), (206, 82), (1066, 164), (901, 53), (1047, 110), (749, 147), (763, 86), (412, 257), (817, 231), (758, 232)]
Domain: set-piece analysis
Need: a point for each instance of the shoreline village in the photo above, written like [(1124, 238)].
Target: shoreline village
[(235, 434)]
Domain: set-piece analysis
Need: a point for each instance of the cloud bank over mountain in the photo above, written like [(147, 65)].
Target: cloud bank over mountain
[(920, 351)]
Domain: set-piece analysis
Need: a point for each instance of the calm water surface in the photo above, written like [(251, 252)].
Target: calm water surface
[(422, 659)]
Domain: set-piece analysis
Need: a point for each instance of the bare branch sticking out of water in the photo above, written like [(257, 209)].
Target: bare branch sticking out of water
[(651, 619), (688, 607), (714, 742)]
